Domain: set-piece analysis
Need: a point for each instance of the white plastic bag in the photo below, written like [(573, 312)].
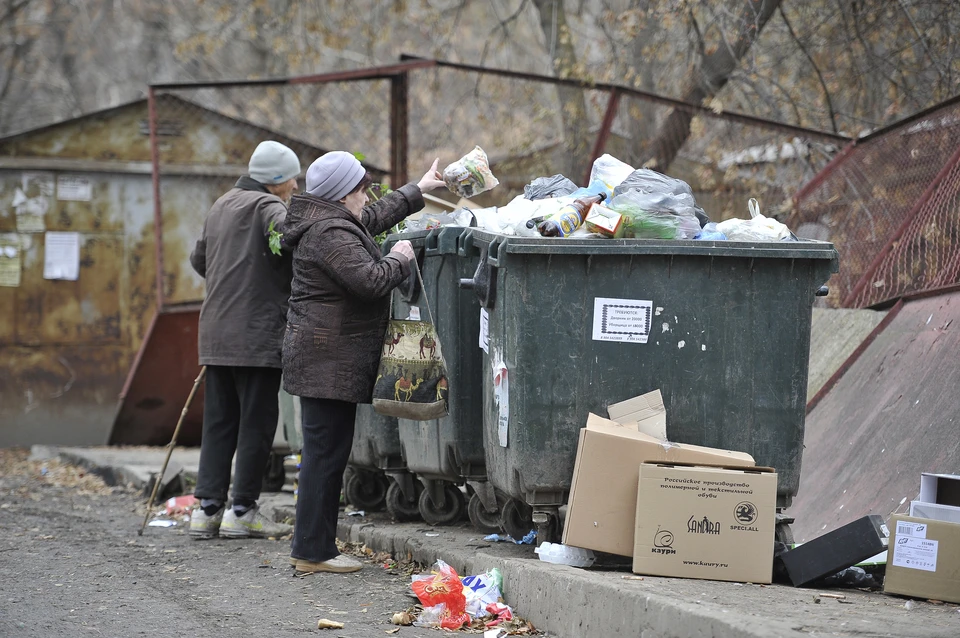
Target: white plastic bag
[(470, 175), (611, 171), (757, 228)]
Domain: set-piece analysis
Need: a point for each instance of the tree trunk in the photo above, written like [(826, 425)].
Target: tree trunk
[(714, 73), (573, 105)]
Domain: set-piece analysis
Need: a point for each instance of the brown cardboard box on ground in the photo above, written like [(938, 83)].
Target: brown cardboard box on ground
[(603, 493), (705, 522), (923, 559)]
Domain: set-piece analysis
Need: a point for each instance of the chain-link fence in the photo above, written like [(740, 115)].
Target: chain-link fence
[(889, 203), (399, 118)]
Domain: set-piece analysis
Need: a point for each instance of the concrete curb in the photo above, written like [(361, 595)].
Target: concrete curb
[(571, 602)]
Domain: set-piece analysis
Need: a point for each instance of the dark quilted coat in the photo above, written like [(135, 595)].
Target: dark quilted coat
[(340, 296)]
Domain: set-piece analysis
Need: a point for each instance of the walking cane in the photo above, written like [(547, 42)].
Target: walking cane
[(170, 446)]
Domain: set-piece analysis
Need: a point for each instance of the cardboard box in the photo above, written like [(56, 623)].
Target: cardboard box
[(603, 492), (605, 221), (936, 512), (644, 413), (705, 522), (940, 489), (923, 559)]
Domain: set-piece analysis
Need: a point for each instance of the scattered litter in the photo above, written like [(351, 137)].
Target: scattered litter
[(441, 594), (481, 591), (432, 534), (357, 513), (323, 623), (565, 555), (909, 605), (494, 633), (631, 577), (402, 618), (829, 595), (162, 523), (503, 538), (392, 631)]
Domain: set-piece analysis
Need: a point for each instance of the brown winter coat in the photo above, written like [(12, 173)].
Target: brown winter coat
[(244, 311), (340, 298)]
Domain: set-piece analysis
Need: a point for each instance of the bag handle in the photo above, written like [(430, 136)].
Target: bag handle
[(426, 301)]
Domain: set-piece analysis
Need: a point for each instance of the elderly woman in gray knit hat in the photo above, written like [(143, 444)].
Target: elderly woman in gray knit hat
[(339, 308)]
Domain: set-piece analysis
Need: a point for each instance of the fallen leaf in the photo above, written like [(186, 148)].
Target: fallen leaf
[(323, 623)]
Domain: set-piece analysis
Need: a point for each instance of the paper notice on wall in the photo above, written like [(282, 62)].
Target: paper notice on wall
[(10, 260), (484, 330), (61, 256), (32, 201), (501, 396), (626, 320), (915, 553), (72, 188)]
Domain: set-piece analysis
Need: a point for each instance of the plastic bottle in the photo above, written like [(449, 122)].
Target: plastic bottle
[(565, 555), (569, 218)]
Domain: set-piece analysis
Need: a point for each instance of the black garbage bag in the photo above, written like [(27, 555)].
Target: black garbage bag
[(546, 187)]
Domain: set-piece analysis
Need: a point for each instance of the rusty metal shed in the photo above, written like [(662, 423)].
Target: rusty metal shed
[(69, 349)]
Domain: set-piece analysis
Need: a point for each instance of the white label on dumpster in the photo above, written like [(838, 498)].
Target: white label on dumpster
[(626, 320), (485, 330), (915, 553), (501, 395)]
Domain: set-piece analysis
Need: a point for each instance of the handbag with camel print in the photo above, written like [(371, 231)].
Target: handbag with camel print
[(412, 377)]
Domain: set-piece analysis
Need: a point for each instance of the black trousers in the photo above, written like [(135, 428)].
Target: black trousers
[(240, 413), (327, 438)]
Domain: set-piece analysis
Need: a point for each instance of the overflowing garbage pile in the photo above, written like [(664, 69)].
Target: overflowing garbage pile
[(619, 202)]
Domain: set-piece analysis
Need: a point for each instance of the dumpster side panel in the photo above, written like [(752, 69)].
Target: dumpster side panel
[(450, 448), (728, 347)]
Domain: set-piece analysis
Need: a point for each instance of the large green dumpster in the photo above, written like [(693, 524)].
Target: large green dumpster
[(721, 328), (447, 453)]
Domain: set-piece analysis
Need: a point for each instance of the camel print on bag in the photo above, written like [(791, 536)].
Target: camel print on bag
[(412, 379)]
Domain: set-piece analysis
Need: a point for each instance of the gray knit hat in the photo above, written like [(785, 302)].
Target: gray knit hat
[(334, 175), (273, 163)]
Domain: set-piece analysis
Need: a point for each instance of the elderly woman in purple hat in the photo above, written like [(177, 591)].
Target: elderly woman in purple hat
[(339, 308)]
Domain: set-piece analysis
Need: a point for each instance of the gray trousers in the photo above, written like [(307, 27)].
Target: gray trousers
[(240, 414)]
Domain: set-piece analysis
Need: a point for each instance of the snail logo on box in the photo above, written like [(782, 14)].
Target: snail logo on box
[(702, 526), (746, 514), (663, 542)]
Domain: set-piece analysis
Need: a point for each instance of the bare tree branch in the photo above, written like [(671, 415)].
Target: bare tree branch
[(816, 69)]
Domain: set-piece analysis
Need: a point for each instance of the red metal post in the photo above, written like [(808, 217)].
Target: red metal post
[(157, 210), (817, 180), (875, 264), (399, 141), (604, 134)]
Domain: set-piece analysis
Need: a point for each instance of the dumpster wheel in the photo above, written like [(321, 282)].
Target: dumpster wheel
[(452, 509), (365, 490), (516, 519), (399, 507), (486, 522)]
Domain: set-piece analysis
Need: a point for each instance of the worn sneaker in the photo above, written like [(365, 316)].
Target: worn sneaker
[(251, 524), (203, 527), (339, 565)]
